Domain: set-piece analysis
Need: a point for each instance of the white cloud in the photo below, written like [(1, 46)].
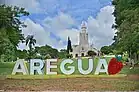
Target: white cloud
[(61, 26), (42, 36), (37, 30), (72, 33), (32, 6), (58, 23), (99, 29)]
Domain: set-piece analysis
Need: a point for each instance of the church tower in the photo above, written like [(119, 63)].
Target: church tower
[(81, 50), (83, 35), (83, 42)]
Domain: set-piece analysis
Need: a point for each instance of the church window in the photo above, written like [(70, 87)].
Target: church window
[(76, 55), (82, 54)]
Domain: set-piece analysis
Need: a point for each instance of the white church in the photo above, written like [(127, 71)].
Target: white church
[(82, 49)]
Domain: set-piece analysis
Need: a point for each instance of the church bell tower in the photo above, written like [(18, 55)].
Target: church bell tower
[(83, 35)]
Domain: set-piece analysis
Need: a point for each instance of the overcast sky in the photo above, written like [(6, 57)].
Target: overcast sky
[(52, 21)]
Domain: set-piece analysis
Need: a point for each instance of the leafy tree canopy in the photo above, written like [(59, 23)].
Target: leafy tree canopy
[(106, 50), (46, 50), (127, 24), (10, 31)]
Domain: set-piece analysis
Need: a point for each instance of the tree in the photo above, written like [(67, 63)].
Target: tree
[(9, 20), (127, 23), (68, 55), (10, 31), (62, 54), (47, 56), (22, 54), (106, 50), (7, 49), (69, 47), (46, 50), (30, 41), (91, 53)]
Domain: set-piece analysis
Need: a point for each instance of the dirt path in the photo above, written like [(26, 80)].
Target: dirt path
[(72, 84)]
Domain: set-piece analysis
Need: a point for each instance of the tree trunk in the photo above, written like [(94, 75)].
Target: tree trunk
[(129, 53), (135, 57)]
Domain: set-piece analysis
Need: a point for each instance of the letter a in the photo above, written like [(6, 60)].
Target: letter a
[(100, 63), (23, 68)]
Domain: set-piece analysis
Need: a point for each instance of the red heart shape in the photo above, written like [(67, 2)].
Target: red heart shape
[(114, 66)]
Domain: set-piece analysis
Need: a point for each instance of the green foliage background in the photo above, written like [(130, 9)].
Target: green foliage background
[(126, 38), (127, 25), (10, 31)]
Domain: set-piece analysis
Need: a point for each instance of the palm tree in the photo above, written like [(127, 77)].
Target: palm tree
[(30, 42)]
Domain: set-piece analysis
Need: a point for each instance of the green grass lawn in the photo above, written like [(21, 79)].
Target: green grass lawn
[(6, 68)]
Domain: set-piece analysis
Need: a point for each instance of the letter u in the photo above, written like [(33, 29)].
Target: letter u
[(80, 67)]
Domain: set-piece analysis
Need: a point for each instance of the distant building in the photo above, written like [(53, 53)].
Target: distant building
[(82, 49)]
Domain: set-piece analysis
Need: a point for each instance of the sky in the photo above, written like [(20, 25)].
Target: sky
[(52, 21)]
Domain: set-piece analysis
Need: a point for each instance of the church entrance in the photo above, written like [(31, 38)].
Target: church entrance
[(82, 54), (76, 55)]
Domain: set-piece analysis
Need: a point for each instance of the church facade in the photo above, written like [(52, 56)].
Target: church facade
[(82, 49)]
